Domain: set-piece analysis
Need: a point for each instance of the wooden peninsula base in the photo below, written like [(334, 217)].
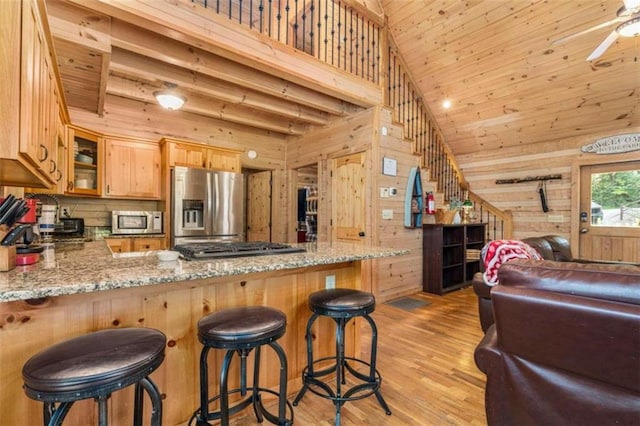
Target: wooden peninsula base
[(28, 326)]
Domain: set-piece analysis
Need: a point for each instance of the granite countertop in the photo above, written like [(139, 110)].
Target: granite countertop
[(71, 268)]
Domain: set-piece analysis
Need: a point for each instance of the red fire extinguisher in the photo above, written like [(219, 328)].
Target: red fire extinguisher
[(430, 204)]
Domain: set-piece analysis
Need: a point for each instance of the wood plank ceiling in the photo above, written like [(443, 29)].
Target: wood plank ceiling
[(508, 85), (493, 59)]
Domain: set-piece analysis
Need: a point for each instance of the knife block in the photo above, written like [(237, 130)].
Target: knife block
[(7, 255)]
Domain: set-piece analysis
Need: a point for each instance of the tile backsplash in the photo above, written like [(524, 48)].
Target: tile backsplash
[(96, 212)]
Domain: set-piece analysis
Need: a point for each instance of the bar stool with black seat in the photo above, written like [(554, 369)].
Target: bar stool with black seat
[(342, 305), (241, 331), (94, 366)]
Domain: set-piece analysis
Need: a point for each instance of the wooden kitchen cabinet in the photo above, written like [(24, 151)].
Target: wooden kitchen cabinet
[(192, 154), (84, 162), (30, 104), (146, 244), (132, 168), (125, 245), (119, 245)]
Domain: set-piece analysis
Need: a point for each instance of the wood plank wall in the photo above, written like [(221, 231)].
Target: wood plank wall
[(390, 278), (342, 137), (481, 169), (395, 277)]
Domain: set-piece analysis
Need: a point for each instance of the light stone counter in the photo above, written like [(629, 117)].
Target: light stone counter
[(71, 268)]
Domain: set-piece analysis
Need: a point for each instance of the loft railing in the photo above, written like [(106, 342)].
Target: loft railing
[(420, 128), (331, 31)]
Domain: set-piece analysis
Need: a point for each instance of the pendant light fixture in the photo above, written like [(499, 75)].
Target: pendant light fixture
[(168, 98)]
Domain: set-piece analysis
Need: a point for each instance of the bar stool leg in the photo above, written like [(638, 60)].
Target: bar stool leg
[(372, 371), (103, 416), (201, 419), (224, 389), (256, 399), (138, 401), (156, 401), (309, 369), (54, 416)]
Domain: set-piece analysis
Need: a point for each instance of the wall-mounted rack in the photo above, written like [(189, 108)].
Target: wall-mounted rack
[(529, 179)]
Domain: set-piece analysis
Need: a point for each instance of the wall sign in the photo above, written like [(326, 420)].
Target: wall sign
[(614, 144), (389, 166)]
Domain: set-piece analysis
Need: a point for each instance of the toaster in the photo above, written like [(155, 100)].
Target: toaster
[(69, 226)]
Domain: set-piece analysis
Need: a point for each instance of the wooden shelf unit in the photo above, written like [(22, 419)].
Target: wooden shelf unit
[(446, 264)]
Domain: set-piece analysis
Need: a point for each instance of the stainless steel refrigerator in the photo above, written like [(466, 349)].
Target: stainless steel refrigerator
[(206, 205)]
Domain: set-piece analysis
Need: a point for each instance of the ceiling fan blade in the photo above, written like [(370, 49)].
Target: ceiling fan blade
[(588, 30), (611, 38)]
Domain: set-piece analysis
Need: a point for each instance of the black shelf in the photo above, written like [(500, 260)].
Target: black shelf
[(446, 265)]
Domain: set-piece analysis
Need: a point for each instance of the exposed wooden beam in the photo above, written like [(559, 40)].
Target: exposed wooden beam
[(129, 37), (141, 67), (222, 37), (207, 107)]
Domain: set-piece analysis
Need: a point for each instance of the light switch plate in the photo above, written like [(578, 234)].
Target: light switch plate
[(387, 214), (384, 192)]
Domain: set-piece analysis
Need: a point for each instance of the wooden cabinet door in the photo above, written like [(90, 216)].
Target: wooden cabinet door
[(221, 160), (146, 244), (37, 97), (132, 169), (187, 155), (119, 245)]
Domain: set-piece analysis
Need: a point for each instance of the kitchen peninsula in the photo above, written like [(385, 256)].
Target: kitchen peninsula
[(87, 288)]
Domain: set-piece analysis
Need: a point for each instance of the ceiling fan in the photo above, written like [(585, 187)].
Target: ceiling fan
[(628, 15)]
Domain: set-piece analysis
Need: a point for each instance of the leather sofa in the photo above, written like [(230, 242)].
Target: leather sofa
[(565, 346), (550, 247)]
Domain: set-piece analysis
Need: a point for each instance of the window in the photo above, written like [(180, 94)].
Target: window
[(615, 198)]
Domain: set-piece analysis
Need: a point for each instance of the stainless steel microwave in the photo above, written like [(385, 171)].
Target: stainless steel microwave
[(136, 222)]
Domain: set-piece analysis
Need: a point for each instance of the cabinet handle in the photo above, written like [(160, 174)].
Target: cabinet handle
[(59, 173), (107, 189), (69, 185), (52, 166), (45, 151)]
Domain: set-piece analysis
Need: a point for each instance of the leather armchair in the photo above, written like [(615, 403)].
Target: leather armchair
[(550, 247), (564, 349)]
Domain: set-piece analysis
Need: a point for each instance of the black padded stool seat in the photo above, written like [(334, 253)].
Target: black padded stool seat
[(342, 302), (93, 366), (240, 331), (242, 327), (342, 305)]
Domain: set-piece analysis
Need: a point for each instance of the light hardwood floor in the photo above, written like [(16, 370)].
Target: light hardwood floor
[(425, 357)]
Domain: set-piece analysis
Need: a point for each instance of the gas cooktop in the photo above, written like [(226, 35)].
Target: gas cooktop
[(210, 250)]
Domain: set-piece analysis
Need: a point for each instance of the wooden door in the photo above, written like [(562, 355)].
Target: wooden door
[(610, 212), (259, 206), (348, 198)]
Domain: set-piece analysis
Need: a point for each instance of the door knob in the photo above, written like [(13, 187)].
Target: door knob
[(584, 230)]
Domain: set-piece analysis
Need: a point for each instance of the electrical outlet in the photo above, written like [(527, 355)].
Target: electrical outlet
[(65, 211), (393, 191), (330, 282), (387, 214), (384, 192)]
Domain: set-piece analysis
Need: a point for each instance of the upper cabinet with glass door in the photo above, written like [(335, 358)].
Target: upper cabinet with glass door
[(85, 162)]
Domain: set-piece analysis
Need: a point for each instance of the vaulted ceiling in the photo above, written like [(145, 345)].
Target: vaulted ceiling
[(493, 59)]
